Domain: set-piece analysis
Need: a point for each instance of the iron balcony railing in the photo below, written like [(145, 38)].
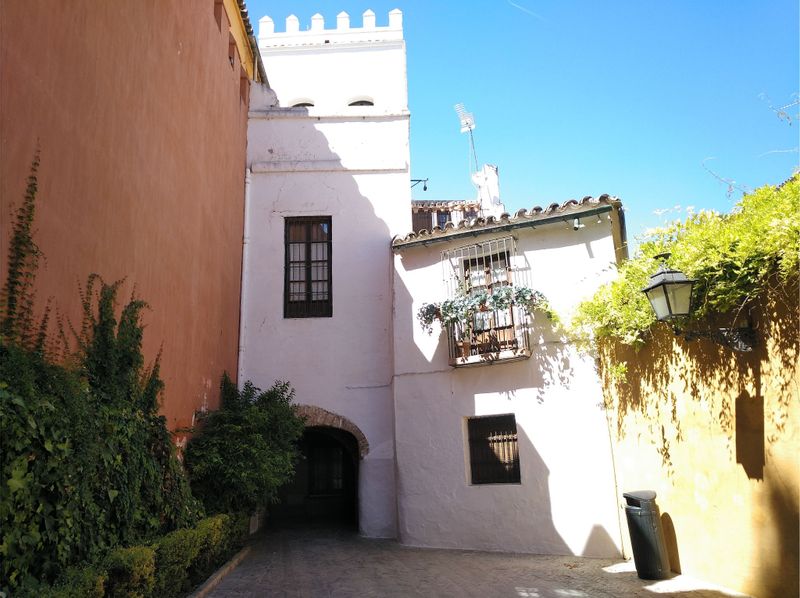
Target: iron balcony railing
[(496, 336)]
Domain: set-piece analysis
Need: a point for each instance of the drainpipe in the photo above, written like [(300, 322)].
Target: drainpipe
[(245, 278)]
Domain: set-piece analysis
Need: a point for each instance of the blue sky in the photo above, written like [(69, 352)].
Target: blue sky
[(634, 98)]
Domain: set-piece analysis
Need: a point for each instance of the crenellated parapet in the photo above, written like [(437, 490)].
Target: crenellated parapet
[(317, 35)]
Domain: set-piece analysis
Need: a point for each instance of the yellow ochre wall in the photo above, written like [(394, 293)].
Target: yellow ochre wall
[(237, 30), (717, 435)]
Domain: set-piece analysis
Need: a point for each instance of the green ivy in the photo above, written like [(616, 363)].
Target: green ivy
[(246, 450), (734, 257), (86, 462)]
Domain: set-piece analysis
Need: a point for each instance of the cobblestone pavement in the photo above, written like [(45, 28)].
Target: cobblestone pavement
[(336, 563)]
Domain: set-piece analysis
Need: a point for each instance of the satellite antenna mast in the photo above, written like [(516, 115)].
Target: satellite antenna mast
[(467, 121)]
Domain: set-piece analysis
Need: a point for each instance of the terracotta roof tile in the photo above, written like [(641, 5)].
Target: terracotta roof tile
[(523, 217)]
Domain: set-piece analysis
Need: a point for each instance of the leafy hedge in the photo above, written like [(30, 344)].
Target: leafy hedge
[(170, 566), (734, 257), (246, 450)]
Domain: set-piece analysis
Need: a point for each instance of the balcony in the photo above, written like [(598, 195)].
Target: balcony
[(498, 336)]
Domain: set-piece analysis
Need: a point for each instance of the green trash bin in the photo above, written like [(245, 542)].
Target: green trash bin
[(647, 536)]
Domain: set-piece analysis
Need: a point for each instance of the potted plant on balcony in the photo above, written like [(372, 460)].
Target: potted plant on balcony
[(459, 314), (533, 300), (427, 314)]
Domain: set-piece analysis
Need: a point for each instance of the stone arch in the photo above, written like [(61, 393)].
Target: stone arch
[(317, 416)]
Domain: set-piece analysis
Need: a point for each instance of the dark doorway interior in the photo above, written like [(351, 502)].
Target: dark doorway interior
[(324, 490)]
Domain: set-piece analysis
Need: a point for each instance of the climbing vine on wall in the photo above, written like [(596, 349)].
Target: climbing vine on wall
[(734, 257), (86, 461)]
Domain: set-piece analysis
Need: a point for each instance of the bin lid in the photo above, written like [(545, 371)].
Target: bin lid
[(639, 495)]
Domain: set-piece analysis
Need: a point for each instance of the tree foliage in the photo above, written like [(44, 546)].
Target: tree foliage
[(246, 450), (734, 258)]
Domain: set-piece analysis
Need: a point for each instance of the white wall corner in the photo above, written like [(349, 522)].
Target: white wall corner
[(262, 97)]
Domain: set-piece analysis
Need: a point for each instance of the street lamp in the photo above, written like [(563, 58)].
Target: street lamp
[(670, 296), (670, 292)]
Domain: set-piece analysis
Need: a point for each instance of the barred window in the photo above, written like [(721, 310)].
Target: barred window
[(307, 276), (493, 449)]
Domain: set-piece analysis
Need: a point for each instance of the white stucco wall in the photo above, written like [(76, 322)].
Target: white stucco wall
[(352, 164), (370, 362), (336, 63), (565, 503)]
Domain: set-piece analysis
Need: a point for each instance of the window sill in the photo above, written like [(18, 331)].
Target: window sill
[(490, 358)]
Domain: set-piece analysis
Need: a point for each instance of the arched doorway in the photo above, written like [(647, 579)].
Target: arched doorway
[(324, 490)]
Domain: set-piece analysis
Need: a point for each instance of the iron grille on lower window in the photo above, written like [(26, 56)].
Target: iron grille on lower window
[(493, 449), (307, 276)]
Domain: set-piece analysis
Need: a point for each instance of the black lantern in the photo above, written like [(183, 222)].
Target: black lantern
[(669, 293), (670, 296)]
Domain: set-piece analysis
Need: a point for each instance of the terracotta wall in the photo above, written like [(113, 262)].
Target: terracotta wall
[(141, 119), (717, 435)]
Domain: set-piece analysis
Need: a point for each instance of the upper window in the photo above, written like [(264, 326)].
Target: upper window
[(442, 218), (498, 330), (307, 280), (493, 449)]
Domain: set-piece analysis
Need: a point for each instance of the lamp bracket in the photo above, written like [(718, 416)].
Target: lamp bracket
[(740, 340)]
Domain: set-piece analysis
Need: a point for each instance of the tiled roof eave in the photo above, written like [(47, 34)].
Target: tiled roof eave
[(554, 213), (432, 204)]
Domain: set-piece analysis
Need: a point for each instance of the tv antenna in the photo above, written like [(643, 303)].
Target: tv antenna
[(467, 121)]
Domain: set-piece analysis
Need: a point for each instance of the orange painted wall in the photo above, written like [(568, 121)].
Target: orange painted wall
[(717, 435), (141, 122)]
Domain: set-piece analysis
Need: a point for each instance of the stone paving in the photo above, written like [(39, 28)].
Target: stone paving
[(337, 563)]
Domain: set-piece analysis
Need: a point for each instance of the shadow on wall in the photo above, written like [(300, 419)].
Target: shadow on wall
[(716, 375), (744, 402), (671, 541), (778, 574), (535, 477), (550, 355), (600, 544)]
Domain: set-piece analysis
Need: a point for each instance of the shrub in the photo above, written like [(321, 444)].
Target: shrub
[(171, 566), (214, 539), (86, 582), (130, 572), (246, 450), (175, 552)]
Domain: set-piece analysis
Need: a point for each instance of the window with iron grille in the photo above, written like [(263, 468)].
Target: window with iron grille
[(307, 277), (493, 449), (442, 218), (481, 270)]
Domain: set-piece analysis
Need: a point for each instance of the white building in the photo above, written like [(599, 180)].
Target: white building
[(505, 446), (502, 445), (329, 188)]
